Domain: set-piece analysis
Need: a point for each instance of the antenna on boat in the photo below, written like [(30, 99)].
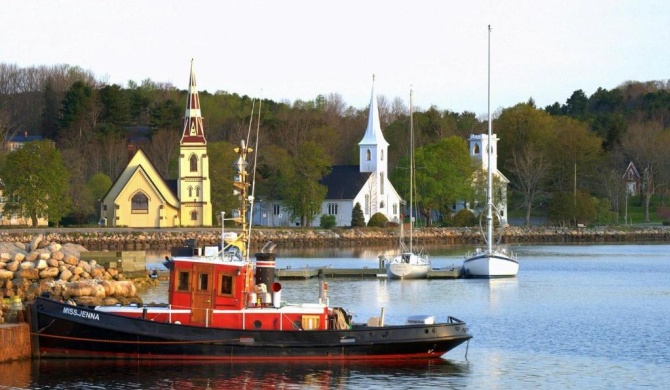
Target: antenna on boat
[(253, 175)]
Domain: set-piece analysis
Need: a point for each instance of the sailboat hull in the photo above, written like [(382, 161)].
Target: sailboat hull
[(493, 264), (407, 271)]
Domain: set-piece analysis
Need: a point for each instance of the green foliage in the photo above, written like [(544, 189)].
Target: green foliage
[(327, 221), (464, 218), (36, 183), (378, 220), (221, 158), (99, 184), (568, 209), (357, 216)]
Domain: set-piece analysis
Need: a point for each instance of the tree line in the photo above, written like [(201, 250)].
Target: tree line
[(564, 161)]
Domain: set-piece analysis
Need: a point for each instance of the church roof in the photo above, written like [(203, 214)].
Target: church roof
[(373, 134), (193, 130), (344, 181)]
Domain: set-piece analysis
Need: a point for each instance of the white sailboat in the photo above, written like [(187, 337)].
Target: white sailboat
[(408, 264), (492, 261)]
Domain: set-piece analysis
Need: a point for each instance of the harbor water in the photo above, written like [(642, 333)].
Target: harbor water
[(576, 317)]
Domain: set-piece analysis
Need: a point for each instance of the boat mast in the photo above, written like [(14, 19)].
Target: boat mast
[(411, 168), (489, 174)]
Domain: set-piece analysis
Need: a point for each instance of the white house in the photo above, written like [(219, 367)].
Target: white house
[(366, 183)]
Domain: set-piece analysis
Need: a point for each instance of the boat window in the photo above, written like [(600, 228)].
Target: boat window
[(226, 285), (182, 281), (203, 282)]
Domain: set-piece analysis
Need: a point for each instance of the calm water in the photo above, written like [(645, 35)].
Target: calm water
[(577, 316)]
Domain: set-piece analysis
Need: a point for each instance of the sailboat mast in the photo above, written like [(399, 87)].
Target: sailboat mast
[(411, 169), (489, 174)]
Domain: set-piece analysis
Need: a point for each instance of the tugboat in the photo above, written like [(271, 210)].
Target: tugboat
[(224, 306)]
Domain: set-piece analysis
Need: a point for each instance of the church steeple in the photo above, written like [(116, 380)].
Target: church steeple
[(373, 146), (193, 130)]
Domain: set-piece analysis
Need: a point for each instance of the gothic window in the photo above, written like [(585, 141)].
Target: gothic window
[(194, 215), (368, 155), (190, 191), (197, 192), (194, 163), (381, 155), (139, 203), (476, 151)]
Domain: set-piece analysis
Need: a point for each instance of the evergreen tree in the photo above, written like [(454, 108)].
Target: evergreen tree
[(357, 217)]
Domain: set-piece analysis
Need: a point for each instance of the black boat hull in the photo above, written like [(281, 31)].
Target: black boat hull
[(61, 330)]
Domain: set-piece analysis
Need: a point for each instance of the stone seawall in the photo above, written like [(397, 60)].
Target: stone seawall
[(143, 239)]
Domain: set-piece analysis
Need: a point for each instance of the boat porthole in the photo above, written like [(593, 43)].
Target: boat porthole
[(426, 331), (257, 324), (458, 328)]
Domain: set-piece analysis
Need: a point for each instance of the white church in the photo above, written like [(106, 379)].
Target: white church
[(366, 183)]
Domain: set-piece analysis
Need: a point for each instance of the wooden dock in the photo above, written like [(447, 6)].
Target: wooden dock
[(304, 273)]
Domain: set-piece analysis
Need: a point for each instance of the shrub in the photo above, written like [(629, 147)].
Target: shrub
[(464, 218), (327, 221), (378, 220)]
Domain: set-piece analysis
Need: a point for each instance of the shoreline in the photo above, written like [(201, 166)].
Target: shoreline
[(143, 239)]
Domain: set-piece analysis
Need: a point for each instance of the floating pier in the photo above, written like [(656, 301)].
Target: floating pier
[(304, 273)]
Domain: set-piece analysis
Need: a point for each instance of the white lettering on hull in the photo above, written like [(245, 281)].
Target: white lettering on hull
[(81, 313)]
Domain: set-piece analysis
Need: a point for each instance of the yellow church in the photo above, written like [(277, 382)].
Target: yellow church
[(140, 197)]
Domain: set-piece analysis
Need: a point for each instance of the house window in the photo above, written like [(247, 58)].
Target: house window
[(139, 204), (194, 215), (194, 163), (332, 208), (226, 285), (182, 281), (276, 209)]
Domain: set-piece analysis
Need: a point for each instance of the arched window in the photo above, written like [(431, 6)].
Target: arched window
[(368, 155), (190, 191), (381, 155), (194, 215), (139, 203), (194, 163), (476, 151), (197, 192)]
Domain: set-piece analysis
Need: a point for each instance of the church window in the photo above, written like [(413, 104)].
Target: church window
[(332, 208), (381, 204), (381, 183), (276, 209), (190, 192), (368, 155), (381, 155), (194, 215), (139, 203), (197, 192), (476, 150), (194, 163)]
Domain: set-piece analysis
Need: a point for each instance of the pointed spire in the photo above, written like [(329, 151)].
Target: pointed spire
[(373, 134), (193, 131)]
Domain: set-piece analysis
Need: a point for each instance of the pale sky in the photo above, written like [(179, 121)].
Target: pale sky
[(288, 50)]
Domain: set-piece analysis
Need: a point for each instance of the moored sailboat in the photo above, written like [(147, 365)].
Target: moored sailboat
[(409, 264), (493, 261)]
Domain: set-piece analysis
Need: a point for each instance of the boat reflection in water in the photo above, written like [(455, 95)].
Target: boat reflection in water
[(78, 374)]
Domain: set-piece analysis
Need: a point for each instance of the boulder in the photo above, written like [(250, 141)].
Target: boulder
[(50, 272), (41, 265), (6, 275), (65, 275), (30, 274)]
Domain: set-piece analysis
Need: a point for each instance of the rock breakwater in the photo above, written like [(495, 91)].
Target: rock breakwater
[(143, 239)]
